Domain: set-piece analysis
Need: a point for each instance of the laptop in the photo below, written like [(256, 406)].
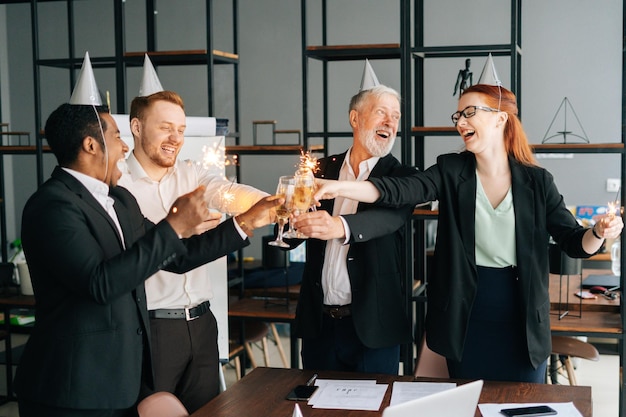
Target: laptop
[(607, 281), (456, 402)]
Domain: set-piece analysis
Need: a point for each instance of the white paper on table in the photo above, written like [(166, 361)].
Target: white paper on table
[(407, 391), (323, 382), (563, 409), (348, 395)]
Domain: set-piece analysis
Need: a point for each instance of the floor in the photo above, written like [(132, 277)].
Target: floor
[(602, 376)]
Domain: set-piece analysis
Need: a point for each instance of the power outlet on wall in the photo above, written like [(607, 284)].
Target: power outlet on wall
[(613, 185)]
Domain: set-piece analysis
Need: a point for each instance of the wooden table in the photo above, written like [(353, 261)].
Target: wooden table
[(600, 303), (276, 311), (599, 317), (290, 291), (262, 393), (594, 317)]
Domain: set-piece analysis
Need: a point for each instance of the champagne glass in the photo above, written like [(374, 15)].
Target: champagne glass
[(285, 190), (302, 198)]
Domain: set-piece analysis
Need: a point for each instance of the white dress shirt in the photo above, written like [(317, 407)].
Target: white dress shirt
[(166, 289), (100, 192), (335, 278)]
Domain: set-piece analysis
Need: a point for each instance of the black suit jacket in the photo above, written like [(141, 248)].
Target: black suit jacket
[(90, 336), (375, 266), (539, 213)]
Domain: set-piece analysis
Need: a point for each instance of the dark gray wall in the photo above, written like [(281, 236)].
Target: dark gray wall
[(558, 40)]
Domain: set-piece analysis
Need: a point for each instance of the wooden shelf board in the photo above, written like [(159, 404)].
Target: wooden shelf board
[(202, 52), (425, 212), (269, 149), (536, 147), (577, 147), (434, 131), (354, 52), (185, 57), (21, 150), (463, 51)]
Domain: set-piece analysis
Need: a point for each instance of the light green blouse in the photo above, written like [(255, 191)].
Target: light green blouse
[(495, 230)]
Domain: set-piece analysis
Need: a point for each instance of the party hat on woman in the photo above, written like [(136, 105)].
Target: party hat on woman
[(489, 75)]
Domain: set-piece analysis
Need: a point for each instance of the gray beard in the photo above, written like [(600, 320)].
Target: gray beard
[(376, 148)]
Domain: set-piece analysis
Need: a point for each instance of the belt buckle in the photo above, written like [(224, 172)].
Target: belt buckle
[(334, 313), (187, 316)]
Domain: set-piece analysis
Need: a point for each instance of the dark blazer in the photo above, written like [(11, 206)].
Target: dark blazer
[(90, 335), (375, 266), (539, 213)]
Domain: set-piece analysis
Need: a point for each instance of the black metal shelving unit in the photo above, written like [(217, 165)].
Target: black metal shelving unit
[(120, 61), (123, 59)]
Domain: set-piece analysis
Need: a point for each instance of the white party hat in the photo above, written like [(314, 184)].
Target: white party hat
[(489, 75), (150, 83), (296, 411), (369, 79), (86, 89)]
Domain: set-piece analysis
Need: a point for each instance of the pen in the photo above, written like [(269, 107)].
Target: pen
[(312, 380)]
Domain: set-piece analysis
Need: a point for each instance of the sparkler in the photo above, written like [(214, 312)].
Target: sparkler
[(308, 162), (213, 156), (227, 197), (614, 206)]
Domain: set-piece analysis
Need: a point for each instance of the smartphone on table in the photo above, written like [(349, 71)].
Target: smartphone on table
[(302, 392), (532, 411)]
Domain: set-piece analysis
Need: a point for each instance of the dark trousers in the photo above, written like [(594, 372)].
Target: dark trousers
[(30, 409), (338, 348), (185, 359), (495, 345)]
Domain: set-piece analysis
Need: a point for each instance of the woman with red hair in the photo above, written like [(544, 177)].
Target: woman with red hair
[(488, 302)]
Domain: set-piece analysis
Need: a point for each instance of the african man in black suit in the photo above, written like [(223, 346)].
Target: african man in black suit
[(89, 250)]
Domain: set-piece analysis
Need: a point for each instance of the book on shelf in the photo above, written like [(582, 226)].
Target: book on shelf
[(20, 318)]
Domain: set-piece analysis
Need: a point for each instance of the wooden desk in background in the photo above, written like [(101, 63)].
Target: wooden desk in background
[(8, 303), (265, 310), (290, 291), (600, 303), (262, 393), (599, 317)]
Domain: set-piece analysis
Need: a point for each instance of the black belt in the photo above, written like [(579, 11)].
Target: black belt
[(337, 312), (180, 313)]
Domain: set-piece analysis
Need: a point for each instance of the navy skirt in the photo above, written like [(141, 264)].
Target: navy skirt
[(495, 345)]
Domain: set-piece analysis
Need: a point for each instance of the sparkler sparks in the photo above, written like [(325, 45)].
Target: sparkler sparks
[(308, 162), (213, 156), (227, 198)]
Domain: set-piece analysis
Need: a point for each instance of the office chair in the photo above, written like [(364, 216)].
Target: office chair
[(161, 404), (430, 364), (256, 332), (564, 348)]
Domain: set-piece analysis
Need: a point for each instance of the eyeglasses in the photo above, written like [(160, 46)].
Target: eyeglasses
[(468, 112)]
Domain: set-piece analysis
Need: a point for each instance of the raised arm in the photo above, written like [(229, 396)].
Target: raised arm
[(410, 187), (363, 191)]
